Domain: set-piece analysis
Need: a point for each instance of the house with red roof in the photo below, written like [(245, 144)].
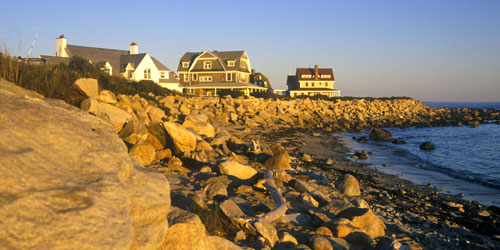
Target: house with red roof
[(311, 82)]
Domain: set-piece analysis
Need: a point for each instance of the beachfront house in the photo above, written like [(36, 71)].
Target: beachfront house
[(129, 64), (312, 81), (205, 73), (260, 80)]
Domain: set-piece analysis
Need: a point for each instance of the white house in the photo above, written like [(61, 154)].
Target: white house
[(129, 64)]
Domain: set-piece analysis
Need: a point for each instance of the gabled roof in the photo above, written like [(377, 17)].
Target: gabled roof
[(223, 56), (310, 71), (159, 65), (134, 60), (118, 59), (52, 60), (98, 55)]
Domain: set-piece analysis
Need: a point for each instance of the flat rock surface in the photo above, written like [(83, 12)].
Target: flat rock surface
[(68, 181)]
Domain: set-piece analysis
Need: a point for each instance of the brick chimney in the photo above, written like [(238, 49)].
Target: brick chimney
[(61, 43), (134, 48), (316, 72)]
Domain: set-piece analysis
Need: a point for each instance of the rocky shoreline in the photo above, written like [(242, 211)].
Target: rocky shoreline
[(249, 173)]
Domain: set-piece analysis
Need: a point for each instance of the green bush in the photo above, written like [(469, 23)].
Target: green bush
[(269, 95), (232, 93), (51, 81)]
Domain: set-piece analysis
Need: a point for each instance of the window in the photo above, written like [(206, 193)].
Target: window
[(147, 73), (319, 83), (129, 73), (186, 77), (230, 63), (229, 77), (326, 76), (162, 75), (306, 76), (207, 65), (312, 84), (195, 77), (326, 84), (307, 84), (205, 78), (185, 64)]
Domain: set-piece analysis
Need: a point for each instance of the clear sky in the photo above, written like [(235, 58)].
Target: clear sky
[(431, 50)]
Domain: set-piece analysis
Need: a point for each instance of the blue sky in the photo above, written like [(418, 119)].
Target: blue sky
[(444, 50)]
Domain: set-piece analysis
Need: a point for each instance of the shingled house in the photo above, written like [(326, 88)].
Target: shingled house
[(205, 73), (312, 81), (260, 79), (129, 64)]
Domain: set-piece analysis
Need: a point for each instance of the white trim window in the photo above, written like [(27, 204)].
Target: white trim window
[(207, 65), (162, 75), (186, 77), (306, 76), (230, 63), (326, 76), (205, 78), (229, 77), (147, 73), (195, 76), (129, 74), (185, 64)]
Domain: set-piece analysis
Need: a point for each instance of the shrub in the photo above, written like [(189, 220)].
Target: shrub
[(269, 95), (51, 81), (232, 93)]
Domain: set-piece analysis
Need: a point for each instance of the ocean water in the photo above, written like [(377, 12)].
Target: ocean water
[(465, 161)]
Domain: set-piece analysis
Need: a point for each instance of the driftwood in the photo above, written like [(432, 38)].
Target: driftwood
[(259, 226), (280, 209)]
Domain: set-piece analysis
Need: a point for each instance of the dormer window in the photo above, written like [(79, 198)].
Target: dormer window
[(326, 76), (230, 63), (185, 64), (306, 76), (207, 65)]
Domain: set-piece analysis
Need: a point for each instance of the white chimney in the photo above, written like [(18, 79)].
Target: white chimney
[(134, 48), (61, 43)]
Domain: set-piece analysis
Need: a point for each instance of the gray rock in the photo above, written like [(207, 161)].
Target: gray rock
[(66, 175), (89, 86), (179, 139), (380, 134), (133, 132), (365, 219), (319, 242), (348, 185), (236, 169), (107, 96)]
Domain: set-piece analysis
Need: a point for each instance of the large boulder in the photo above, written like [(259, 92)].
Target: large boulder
[(179, 139), (143, 152), (199, 124), (68, 181), (89, 86), (364, 218), (380, 134), (133, 132), (236, 169), (107, 96), (348, 185), (187, 232), (116, 116), (280, 160), (427, 146)]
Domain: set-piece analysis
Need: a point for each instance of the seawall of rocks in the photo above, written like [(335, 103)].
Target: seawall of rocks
[(230, 176)]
